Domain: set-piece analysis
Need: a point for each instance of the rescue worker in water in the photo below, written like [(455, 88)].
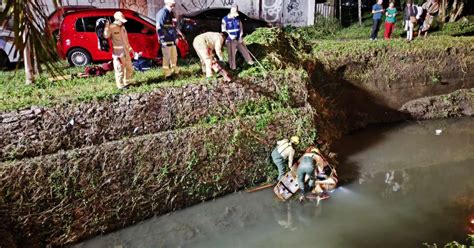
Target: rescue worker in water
[(121, 50), (283, 152), (168, 37), (314, 172)]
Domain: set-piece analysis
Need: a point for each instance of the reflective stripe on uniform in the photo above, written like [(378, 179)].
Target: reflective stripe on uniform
[(167, 43), (279, 148)]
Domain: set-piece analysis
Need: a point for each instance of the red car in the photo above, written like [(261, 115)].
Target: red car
[(55, 18), (79, 44)]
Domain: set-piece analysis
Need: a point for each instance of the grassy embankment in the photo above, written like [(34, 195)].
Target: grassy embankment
[(327, 41)]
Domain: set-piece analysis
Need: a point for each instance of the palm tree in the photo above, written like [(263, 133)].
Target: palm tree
[(32, 37)]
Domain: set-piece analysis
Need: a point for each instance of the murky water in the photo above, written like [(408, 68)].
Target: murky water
[(403, 186)]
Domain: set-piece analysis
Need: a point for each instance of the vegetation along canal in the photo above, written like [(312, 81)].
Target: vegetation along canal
[(403, 185)]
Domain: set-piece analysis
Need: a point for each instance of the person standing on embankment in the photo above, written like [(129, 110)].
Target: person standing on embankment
[(377, 10), (233, 26), (168, 37), (121, 50), (390, 19)]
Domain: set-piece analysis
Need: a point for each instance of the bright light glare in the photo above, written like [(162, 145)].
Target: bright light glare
[(344, 190)]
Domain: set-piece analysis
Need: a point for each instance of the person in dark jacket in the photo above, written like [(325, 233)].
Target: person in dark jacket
[(409, 18), (168, 37)]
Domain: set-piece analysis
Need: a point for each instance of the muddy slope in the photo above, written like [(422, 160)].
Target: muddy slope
[(183, 153)]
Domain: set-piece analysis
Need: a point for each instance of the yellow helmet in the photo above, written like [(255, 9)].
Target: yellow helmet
[(315, 150), (295, 140)]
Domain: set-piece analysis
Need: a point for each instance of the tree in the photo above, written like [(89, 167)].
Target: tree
[(457, 7), (32, 37)]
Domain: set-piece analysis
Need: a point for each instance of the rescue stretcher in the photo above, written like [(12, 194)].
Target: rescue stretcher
[(287, 186)]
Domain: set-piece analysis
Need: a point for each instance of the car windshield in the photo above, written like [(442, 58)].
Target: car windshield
[(148, 19)]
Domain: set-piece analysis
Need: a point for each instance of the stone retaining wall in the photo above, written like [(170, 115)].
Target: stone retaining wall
[(39, 131), (70, 195)]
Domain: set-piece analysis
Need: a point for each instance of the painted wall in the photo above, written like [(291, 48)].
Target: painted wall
[(286, 12)]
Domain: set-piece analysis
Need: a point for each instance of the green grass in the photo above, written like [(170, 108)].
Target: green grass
[(14, 94), (327, 49), (327, 41), (330, 29)]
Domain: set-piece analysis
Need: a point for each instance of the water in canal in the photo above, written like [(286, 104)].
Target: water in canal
[(403, 185)]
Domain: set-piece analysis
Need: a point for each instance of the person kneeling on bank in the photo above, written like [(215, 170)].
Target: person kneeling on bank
[(205, 45)]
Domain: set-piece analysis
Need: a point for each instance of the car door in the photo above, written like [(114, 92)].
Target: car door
[(87, 38), (142, 37)]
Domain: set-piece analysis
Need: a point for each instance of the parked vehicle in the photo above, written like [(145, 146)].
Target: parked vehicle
[(79, 45), (8, 51), (55, 18), (202, 21)]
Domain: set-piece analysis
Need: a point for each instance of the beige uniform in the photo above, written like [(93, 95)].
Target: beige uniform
[(205, 44), (120, 54)]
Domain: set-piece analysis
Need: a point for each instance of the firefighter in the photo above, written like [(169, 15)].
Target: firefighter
[(233, 26), (314, 172), (121, 50), (205, 44), (284, 151), (168, 37)]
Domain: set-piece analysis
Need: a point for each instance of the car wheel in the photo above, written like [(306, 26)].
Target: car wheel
[(78, 57), (3, 59)]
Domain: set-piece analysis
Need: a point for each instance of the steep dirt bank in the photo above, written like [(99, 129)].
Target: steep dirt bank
[(371, 84), (367, 82), (195, 143), (456, 104)]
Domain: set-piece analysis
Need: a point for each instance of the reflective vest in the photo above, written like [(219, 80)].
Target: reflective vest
[(167, 30), (282, 147), (232, 26)]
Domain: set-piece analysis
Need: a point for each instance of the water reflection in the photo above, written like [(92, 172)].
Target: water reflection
[(388, 199)]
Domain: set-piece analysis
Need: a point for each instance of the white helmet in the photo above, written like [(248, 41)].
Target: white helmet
[(120, 17)]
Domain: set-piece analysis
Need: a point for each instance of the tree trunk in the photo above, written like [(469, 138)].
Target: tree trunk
[(456, 11), (443, 5), (36, 64), (340, 11), (359, 8), (29, 70)]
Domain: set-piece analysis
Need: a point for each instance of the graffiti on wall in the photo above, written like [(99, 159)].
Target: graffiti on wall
[(195, 5), (288, 12), (294, 13), (140, 6), (272, 10), (96, 2), (227, 3), (252, 11)]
